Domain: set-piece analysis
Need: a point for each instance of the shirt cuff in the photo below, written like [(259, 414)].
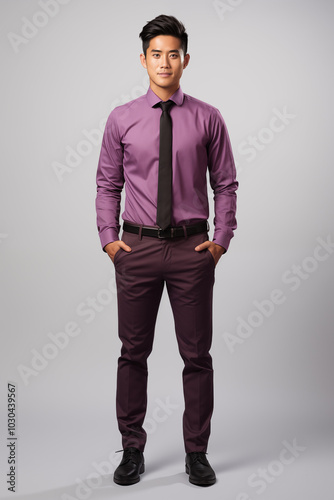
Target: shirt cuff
[(222, 239), (108, 236)]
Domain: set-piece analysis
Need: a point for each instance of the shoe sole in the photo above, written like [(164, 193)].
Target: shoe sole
[(204, 482), (126, 482)]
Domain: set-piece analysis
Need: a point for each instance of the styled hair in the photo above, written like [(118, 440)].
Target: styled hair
[(164, 25)]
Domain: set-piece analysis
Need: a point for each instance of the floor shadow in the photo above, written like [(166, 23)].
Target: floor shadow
[(108, 489)]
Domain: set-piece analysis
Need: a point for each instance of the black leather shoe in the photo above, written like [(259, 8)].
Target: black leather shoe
[(200, 471), (131, 466)]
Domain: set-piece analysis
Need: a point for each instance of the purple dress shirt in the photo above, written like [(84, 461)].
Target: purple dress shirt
[(130, 157)]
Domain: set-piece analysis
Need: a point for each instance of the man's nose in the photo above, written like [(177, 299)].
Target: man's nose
[(164, 61)]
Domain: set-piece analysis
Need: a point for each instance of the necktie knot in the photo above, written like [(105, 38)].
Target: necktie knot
[(166, 105)]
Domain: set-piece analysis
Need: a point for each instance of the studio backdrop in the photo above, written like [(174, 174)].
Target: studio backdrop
[(267, 66)]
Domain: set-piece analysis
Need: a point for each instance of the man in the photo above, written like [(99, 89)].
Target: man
[(160, 146)]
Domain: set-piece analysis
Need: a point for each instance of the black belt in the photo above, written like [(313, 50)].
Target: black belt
[(169, 232)]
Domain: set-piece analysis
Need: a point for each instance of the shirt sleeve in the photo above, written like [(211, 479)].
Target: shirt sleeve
[(222, 180), (110, 181)]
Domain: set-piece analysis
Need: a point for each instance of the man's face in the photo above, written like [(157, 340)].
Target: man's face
[(165, 61)]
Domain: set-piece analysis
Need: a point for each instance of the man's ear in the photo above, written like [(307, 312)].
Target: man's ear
[(143, 60), (186, 60)]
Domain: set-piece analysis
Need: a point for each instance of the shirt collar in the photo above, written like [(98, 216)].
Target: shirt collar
[(153, 99)]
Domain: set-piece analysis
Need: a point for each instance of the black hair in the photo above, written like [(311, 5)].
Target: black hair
[(164, 25)]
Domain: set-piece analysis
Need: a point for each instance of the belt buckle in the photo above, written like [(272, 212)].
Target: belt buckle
[(159, 235), (163, 237)]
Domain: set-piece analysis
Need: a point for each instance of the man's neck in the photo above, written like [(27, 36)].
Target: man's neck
[(163, 93)]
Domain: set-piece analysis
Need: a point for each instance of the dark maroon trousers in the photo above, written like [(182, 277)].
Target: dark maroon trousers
[(140, 277)]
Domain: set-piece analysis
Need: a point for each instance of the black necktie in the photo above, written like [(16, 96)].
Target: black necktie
[(164, 208)]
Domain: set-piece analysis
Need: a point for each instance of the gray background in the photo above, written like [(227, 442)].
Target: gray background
[(276, 384)]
